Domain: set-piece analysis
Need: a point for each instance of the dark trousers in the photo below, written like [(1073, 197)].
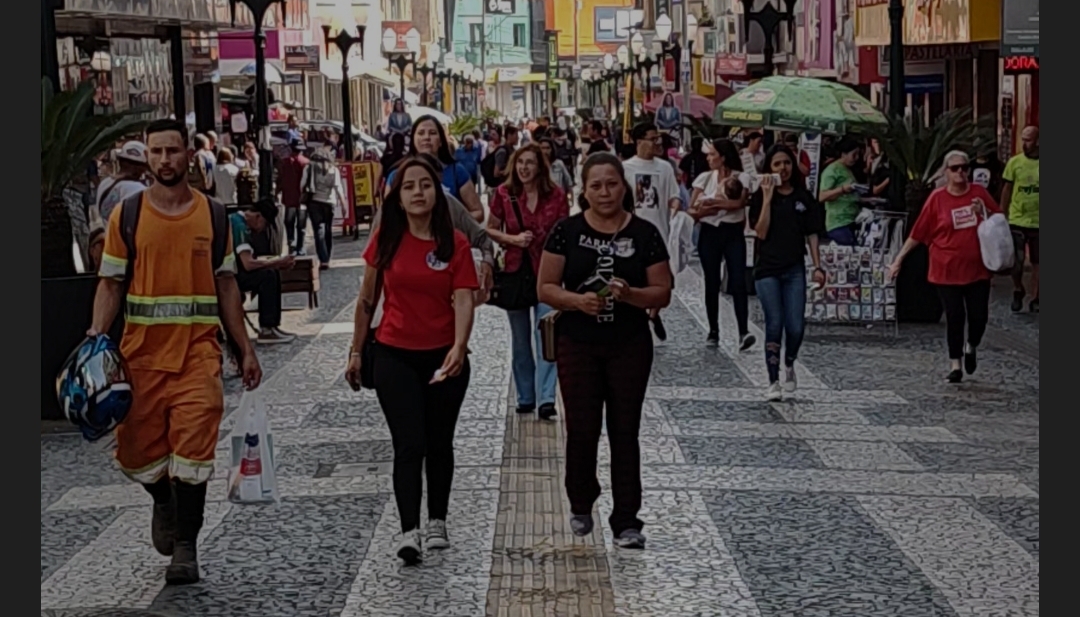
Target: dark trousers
[(322, 225), (965, 303), (592, 377), (783, 300), (266, 285), (717, 245), (295, 226), (188, 500), (422, 418)]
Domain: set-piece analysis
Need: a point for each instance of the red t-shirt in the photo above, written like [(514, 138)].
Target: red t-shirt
[(540, 222), (418, 289), (290, 172), (949, 224)]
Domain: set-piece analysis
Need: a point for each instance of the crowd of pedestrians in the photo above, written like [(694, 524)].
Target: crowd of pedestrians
[(576, 244)]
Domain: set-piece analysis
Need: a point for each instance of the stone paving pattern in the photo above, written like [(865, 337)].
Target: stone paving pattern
[(878, 491)]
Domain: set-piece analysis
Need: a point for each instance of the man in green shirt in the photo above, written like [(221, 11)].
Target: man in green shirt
[(837, 192), (1020, 201), (260, 276)]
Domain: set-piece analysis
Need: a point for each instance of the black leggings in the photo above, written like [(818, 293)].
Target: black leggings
[(717, 245), (970, 303), (422, 418)]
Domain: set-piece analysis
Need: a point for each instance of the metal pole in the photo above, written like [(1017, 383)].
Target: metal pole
[(483, 39), (401, 71), (262, 112), (690, 53), (50, 63), (346, 105), (897, 95), (176, 59)]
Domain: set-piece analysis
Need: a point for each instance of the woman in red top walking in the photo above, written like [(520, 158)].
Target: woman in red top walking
[(948, 225), (531, 195), (420, 366)]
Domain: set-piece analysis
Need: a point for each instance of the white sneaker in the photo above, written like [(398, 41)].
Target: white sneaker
[(773, 393), (436, 536), (790, 381), (409, 547)]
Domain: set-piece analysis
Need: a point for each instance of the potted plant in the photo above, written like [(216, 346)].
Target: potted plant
[(71, 140), (914, 150)]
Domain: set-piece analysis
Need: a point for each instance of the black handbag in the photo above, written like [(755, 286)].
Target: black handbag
[(514, 291), (367, 351)]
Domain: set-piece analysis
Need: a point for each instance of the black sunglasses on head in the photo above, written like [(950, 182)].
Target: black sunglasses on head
[(959, 168)]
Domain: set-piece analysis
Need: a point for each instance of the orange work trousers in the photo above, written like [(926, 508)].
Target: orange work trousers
[(172, 428)]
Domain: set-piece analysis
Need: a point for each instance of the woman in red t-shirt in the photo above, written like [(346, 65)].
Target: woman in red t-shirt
[(427, 277), (531, 195), (948, 225)]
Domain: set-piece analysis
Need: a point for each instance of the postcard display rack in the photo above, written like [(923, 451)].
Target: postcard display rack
[(857, 289)]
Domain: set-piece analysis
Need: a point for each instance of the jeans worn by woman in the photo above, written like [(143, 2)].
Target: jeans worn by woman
[(783, 300), (534, 377)]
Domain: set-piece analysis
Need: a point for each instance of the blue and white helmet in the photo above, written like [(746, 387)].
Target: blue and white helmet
[(93, 387)]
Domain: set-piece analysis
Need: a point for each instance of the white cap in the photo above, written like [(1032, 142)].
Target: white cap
[(134, 151)]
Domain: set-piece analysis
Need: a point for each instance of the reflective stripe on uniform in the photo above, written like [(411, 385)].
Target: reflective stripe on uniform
[(181, 310), (192, 472), (150, 473), (112, 267), (228, 265)]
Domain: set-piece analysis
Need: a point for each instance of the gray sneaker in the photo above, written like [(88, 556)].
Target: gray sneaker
[(409, 547), (581, 524), (437, 538), (630, 538), (271, 336)]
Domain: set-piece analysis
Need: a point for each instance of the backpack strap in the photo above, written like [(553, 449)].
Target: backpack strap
[(219, 219), (129, 222)]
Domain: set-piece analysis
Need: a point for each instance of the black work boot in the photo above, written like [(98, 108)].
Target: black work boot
[(190, 502), (163, 523)]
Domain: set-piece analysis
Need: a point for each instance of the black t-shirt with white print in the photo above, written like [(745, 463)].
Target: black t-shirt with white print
[(593, 258)]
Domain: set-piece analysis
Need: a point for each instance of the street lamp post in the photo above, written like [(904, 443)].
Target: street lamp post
[(401, 59), (478, 77), (769, 18), (669, 48), (690, 34), (425, 69), (344, 40), (441, 78), (646, 62), (259, 9), (586, 78), (897, 95)]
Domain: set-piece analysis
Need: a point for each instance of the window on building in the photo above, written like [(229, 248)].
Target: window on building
[(613, 24), (476, 34), (519, 36)]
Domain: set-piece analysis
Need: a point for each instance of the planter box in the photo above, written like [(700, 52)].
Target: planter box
[(67, 307)]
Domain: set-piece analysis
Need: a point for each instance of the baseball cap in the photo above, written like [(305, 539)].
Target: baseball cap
[(268, 209), (134, 151)]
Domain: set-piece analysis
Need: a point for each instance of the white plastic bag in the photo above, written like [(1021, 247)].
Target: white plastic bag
[(680, 241), (251, 460), (996, 242)]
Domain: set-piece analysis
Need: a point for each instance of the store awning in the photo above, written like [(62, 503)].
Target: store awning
[(362, 70), (499, 77), (240, 67)]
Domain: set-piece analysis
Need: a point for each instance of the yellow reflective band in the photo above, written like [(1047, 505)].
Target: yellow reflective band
[(176, 310), (113, 261)]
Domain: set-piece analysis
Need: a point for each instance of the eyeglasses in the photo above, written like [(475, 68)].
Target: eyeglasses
[(959, 168)]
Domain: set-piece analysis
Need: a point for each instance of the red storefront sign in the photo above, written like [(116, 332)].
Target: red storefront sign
[(728, 64)]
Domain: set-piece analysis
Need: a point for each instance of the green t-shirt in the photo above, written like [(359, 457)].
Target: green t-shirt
[(1023, 173), (241, 235), (841, 211)]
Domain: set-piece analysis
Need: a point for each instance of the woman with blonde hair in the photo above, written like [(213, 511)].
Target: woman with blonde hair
[(948, 224)]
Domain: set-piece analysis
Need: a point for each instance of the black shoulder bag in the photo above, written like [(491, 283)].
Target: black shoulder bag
[(514, 291)]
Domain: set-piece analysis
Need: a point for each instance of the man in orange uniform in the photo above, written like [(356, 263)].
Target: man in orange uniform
[(173, 300)]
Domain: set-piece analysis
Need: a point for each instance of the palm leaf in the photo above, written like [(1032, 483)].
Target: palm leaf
[(917, 149), (72, 136)]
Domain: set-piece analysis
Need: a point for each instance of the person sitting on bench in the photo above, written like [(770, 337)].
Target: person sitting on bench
[(260, 276)]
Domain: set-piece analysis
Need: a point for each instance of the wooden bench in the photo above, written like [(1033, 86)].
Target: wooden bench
[(303, 277)]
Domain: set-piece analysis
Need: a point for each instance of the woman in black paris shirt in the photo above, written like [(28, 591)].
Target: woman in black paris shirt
[(786, 218), (604, 268)]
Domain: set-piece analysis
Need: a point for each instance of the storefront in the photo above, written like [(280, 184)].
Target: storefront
[(951, 55), (1020, 72), (508, 89), (127, 48)]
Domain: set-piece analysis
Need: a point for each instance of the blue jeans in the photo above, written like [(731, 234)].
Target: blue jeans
[(783, 300), (844, 236), (534, 377)]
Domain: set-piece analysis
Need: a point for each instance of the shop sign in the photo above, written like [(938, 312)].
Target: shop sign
[(1021, 64), (730, 64), (301, 58), (1020, 28), (500, 7)]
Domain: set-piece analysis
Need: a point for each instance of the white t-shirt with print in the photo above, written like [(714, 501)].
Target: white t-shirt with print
[(654, 185), (113, 195), (709, 184)]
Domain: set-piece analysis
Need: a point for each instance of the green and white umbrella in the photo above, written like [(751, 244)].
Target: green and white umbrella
[(799, 104)]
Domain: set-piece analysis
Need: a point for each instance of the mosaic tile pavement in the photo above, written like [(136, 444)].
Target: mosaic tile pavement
[(877, 491)]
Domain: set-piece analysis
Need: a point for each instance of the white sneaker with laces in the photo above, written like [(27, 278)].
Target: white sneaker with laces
[(790, 381), (774, 393), (437, 538), (409, 547)]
